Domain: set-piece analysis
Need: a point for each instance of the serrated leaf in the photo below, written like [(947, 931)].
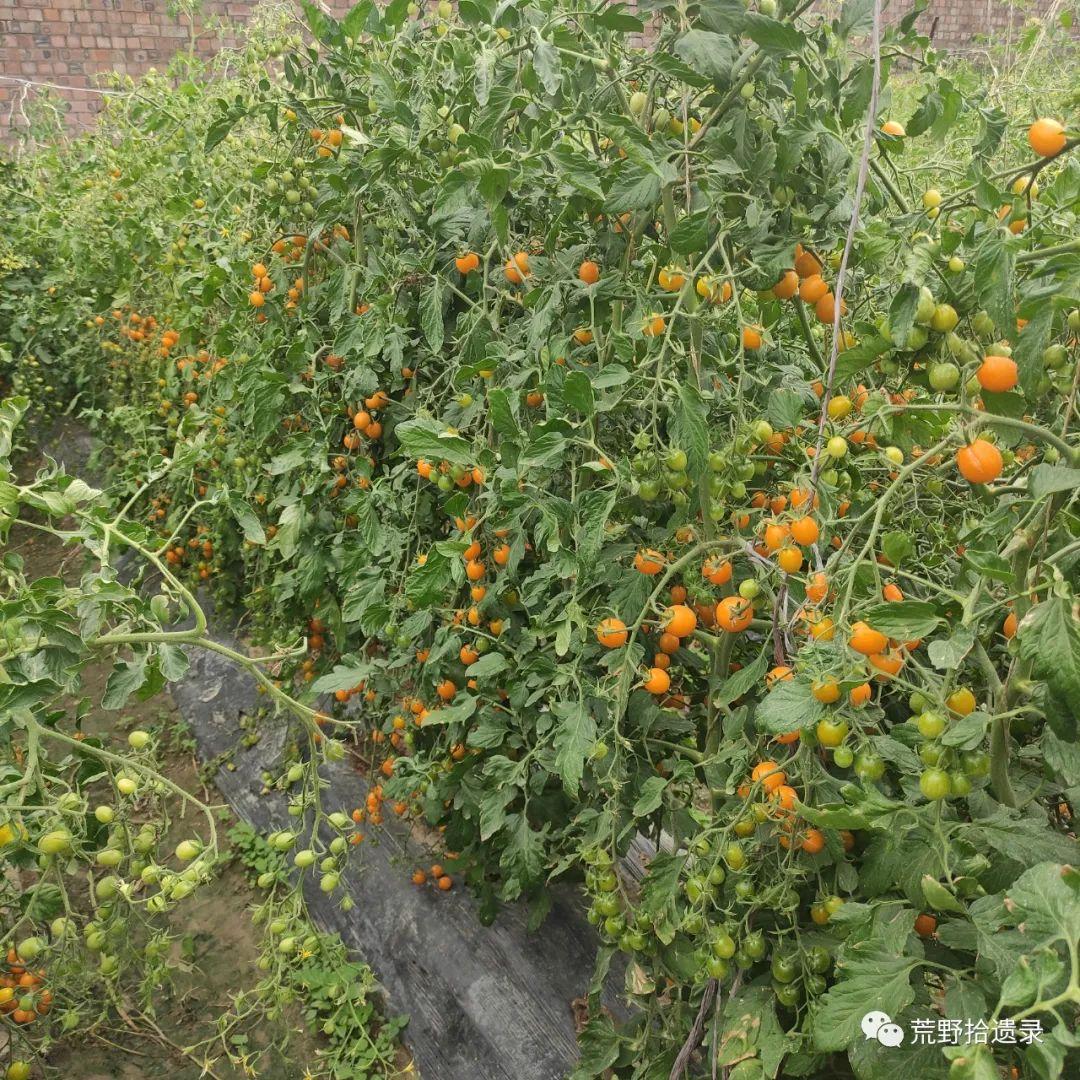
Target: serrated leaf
[(578, 392), (431, 315), (575, 734), (902, 313), (502, 414), (744, 680), (489, 664), (873, 974), (661, 882), (246, 519), (938, 897), (1050, 479), (127, 677), (633, 187), (1029, 348), (691, 233), (689, 430), (708, 53), (1049, 638), (903, 619), (993, 269), (788, 706), (548, 66), (773, 36), (343, 677), (652, 794), (968, 732), (426, 438), (897, 547), (784, 409), (428, 583), (599, 1046)]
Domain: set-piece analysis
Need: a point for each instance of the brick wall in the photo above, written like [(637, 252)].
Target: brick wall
[(68, 42)]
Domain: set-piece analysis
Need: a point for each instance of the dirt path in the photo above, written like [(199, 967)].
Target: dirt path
[(216, 943)]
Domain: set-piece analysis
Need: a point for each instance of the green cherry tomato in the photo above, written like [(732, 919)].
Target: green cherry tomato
[(831, 732), (676, 460), (754, 944), (784, 968), (788, 996), (745, 889), (717, 967), (723, 945), (975, 763), (959, 783), (931, 724), (818, 959), (614, 926), (868, 766), (814, 985), (843, 756), (935, 784), (734, 856), (931, 754), (695, 889)]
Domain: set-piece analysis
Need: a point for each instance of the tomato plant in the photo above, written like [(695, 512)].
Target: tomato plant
[(642, 447)]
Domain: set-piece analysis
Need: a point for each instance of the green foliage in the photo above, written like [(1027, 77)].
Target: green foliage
[(422, 439)]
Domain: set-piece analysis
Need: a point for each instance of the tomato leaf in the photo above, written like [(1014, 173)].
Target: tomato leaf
[(897, 547), (661, 883), (634, 187), (548, 66), (599, 1045), (1046, 902), (689, 429), (618, 19), (902, 313), (431, 315), (246, 519), (784, 408), (708, 53), (994, 283), (772, 35), (1049, 638), (578, 392), (873, 973), (968, 732), (856, 17), (575, 734), (343, 677), (127, 677), (744, 680), (788, 706), (1050, 479), (652, 793), (426, 438), (489, 664), (903, 619), (1029, 348), (428, 583)]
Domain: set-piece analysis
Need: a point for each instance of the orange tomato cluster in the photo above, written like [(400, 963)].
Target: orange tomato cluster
[(23, 994)]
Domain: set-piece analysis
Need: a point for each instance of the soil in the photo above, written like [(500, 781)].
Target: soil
[(217, 944)]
